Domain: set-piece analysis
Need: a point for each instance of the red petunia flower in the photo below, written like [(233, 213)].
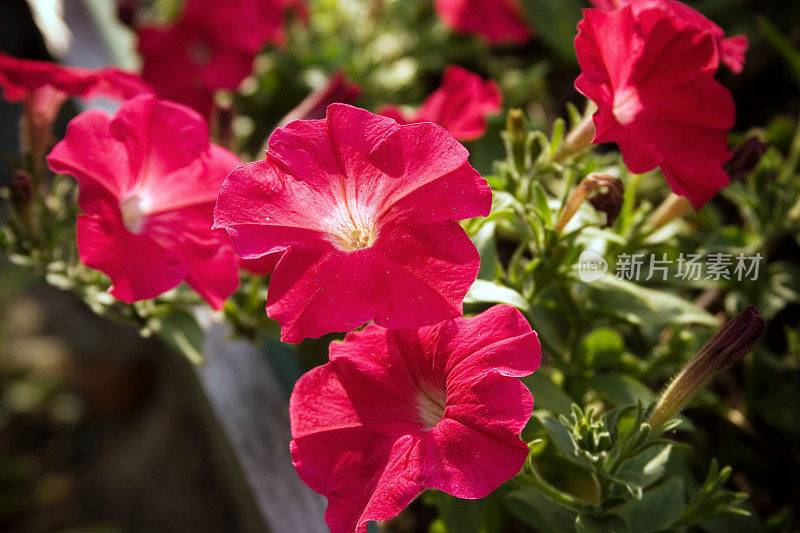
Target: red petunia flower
[(364, 212), (731, 49), (21, 79), (653, 82), (496, 21), (397, 411), (460, 105), (148, 179), (211, 47)]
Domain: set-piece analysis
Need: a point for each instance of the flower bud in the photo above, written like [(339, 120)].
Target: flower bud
[(610, 200), (730, 344), (588, 185), (515, 124), (578, 139), (21, 189), (673, 207), (746, 157)]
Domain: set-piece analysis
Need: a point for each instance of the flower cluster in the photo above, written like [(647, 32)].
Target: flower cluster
[(355, 218), (212, 46)]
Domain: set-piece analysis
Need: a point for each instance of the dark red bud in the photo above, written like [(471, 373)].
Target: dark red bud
[(746, 156), (731, 343), (609, 200), (21, 189)]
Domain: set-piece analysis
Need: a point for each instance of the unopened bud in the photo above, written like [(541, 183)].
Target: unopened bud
[(21, 189), (588, 185), (746, 156), (609, 201), (515, 124), (578, 139), (673, 207), (730, 344)]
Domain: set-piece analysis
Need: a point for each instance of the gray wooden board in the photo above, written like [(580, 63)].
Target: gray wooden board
[(252, 410)]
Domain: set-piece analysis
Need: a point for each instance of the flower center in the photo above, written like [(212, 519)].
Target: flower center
[(430, 405), (627, 105), (349, 233), (133, 213)]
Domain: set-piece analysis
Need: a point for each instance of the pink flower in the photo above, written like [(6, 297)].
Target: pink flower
[(211, 47), (496, 21), (20, 79), (658, 100), (148, 179), (732, 49), (398, 411), (364, 213), (460, 105)]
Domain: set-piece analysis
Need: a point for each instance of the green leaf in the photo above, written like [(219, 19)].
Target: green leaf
[(562, 439), (602, 347), (657, 509), (484, 241), (643, 306), (596, 523), (541, 205), (651, 464), (547, 394), (538, 511), (483, 292), (633, 482), (621, 389), (468, 516), (181, 330)]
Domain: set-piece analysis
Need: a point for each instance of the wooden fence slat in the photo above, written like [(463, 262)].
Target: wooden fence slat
[(251, 408)]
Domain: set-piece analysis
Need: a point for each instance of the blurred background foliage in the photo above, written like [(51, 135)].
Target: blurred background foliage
[(76, 403)]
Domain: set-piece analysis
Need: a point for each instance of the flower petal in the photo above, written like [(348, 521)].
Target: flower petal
[(138, 266), (92, 155), (366, 476), (450, 455)]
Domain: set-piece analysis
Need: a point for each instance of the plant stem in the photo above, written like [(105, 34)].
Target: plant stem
[(532, 478)]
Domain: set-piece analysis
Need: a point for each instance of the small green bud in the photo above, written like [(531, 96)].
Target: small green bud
[(515, 124)]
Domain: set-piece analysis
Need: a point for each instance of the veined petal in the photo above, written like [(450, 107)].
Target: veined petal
[(382, 421), (363, 212)]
